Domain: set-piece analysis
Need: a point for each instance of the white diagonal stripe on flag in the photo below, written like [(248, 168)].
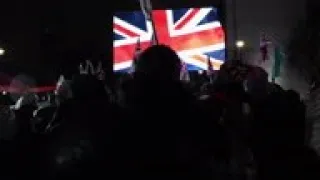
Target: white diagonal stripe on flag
[(197, 18), (209, 26), (183, 17), (127, 26)]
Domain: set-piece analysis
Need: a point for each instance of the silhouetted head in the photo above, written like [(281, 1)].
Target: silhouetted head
[(293, 95), (257, 81), (233, 71), (87, 87), (159, 62)]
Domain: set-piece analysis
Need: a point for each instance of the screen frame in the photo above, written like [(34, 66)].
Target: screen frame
[(192, 67)]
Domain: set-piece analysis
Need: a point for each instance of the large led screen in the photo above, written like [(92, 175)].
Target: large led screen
[(195, 34)]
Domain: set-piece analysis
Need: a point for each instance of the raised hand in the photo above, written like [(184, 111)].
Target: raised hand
[(89, 69), (83, 70), (100, 72)]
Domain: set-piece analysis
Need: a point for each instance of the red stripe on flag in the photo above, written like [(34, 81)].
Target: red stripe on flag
[(161, 25), (187, 19), (179, 43), (124, 31), (197, 40), (127, 52)]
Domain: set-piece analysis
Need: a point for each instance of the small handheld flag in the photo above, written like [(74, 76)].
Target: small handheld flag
[(278, 59), (184, 73), (138, 47), (136, 55), (264, 45), (210, 69)]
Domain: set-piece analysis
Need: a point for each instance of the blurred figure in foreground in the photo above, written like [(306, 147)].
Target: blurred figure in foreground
[(164, 132)]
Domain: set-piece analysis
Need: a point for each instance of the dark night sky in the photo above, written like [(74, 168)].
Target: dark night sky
[(45, 33)]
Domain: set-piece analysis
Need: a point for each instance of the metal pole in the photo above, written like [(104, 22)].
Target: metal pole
[(154, 29), (147, 10), (235, 25), (240, 55), (273, 78)]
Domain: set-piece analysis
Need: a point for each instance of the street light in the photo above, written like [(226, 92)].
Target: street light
[(240, 44), (2, 51)]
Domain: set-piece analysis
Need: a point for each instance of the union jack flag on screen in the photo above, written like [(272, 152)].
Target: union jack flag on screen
[(194, 33)]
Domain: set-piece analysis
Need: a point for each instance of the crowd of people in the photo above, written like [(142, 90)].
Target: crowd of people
[(153, 125)]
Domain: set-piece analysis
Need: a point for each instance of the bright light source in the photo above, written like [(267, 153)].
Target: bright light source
[(4, 92), (2, 51), (240, 44)]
